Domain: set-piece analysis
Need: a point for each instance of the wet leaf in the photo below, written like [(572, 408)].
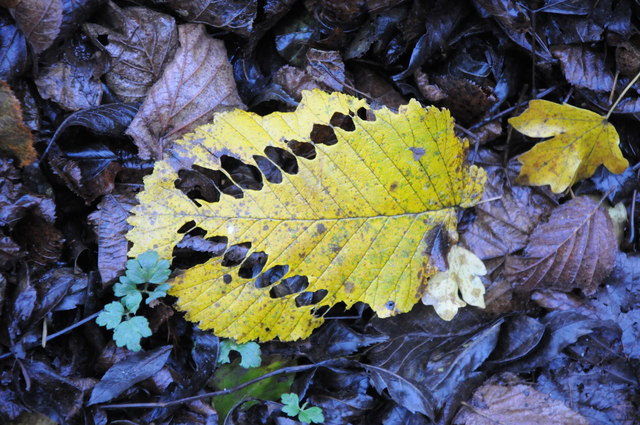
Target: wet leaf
[(74, 81), (128, 372), (584, 67), (110, 225), (140, 42), (39, 21), (319, 246), (581, 140), (516, 404), (197, 83), (15, 139), (13, 48), (237, 16), (575, 248)]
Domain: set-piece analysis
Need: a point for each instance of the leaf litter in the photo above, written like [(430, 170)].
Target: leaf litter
[(483, 59)]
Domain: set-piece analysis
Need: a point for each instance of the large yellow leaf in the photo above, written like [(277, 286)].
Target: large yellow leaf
[(581, 140), (356, 221)]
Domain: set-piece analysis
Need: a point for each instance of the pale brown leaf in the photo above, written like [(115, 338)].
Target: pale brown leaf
[(516, 405), (15, 139), (575, 248), (139, 42), (197, 83)]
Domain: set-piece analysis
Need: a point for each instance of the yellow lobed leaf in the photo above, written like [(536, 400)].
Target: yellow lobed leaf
[(581, 140), (356, 220)]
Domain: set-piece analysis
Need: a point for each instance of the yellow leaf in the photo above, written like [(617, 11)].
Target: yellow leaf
[(581, 140), (442, 291), (355, 221), (15, 137)]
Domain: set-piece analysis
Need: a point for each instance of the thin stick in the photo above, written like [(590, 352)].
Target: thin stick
[(284, 370), (619, 99), (61, 332)]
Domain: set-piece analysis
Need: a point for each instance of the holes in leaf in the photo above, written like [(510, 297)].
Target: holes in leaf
[(195, 185), (271, 276), (366, 114), (288, 286), (302, 149), (323, 134), (283, 159), (253, 265), (190, 228), (345, 122), (194, 249), (236, 254), (244, 175), (270, 171), (311, 298)]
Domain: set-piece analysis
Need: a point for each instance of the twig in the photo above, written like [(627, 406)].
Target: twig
[(61, 332), (284, 370)]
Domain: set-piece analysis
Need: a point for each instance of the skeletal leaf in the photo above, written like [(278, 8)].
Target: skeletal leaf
[(335, 202)]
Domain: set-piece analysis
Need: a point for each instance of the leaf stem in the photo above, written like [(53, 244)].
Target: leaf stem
[(619, 99)]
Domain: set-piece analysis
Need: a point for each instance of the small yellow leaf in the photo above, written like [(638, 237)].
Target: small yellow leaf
[(581, 140), (351, 222), (464, 269)]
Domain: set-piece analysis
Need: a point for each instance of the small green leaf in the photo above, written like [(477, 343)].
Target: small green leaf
[(160, 272), (291, 404), (148, 259), (159, 292), (131, 296), (129, 332), (249, 353), (111, 315), (135, 273), (311, 415)]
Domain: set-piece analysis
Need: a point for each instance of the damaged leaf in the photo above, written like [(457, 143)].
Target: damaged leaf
[(581, 140), (345, 212)]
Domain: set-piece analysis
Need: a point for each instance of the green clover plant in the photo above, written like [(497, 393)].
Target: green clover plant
[(305, 414), (145, 275)]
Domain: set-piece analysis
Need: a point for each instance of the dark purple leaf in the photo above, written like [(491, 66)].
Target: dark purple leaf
[(584, 67), (13, 48), (237, 16), (128, 372)]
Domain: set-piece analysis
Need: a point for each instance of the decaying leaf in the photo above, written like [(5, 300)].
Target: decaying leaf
[(15, 138), (581, 140), (139, 41), (463, 275), (575, 248), (40, 21), (195, 84), (317, 206)]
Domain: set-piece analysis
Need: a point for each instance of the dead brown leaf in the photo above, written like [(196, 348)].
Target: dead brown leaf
[(109, 222), (516, 404), (74, 81), (40, 21), (139, 42), (197, 83), (575, 248), (15, 138)]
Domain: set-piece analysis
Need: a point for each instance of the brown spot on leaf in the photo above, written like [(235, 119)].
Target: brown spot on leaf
[(348, 287), (393, 186), (320, 228)]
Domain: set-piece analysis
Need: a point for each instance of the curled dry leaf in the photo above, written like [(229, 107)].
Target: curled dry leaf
[(237, 16), (40, 21), (197, 83), (139, 42), (575, 248), (581, 140), (15, 138)]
